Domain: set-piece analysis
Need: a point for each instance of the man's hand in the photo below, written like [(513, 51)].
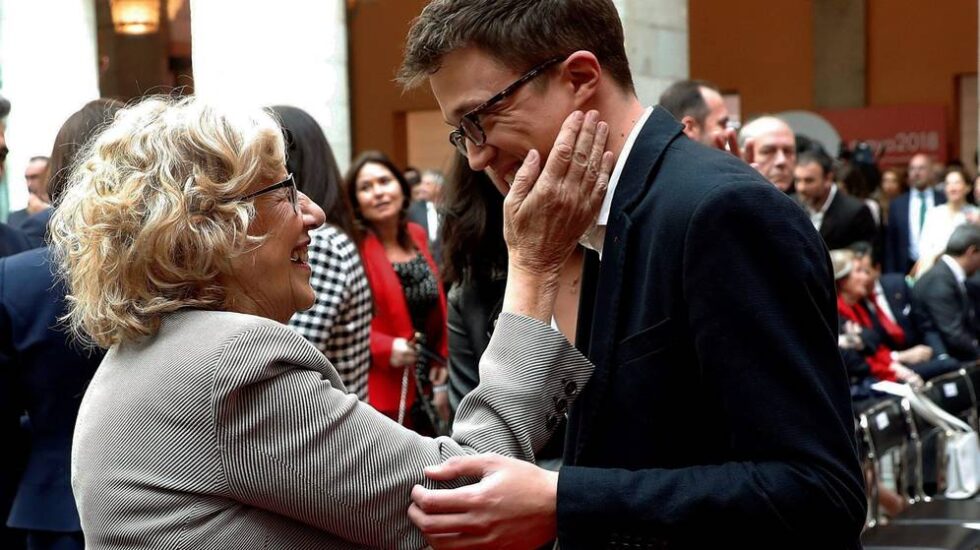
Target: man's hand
[(35, 204), (728, 141), (513, 505), (907, 375), (914, 355)]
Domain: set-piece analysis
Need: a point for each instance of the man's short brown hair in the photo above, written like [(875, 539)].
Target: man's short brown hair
[(520, 33)]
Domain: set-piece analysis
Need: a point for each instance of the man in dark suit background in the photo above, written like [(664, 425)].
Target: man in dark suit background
[(907, 214), (941, 294), (35, 176), (424, 209), (840, 219), (719, 412), (46, 371)]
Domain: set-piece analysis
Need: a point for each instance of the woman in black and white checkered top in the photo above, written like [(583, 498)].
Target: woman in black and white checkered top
[(339, 323)]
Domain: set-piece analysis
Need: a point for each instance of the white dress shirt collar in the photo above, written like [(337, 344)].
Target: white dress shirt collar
[(956, 268), (816, 216), (594, 237)]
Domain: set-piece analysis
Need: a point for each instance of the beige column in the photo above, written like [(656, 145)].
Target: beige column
[(839, 54), (286, 52), (656, 44), (49, 56)]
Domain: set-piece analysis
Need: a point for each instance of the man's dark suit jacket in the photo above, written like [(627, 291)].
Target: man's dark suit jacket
[(897, 258), (49, 375), (17, 217), (847, 221), (35, 228), (938, 298), (719, 412), (917, 330)]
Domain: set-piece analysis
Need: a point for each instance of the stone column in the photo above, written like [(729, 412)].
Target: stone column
[(656, 44), (839, 54), (287, 52), (49, 55)]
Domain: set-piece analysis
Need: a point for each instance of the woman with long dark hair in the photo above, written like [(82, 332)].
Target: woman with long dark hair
[(475, 268), (408, 333), (339, 323)]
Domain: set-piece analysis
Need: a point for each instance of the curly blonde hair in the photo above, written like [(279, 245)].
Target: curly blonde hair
[(151, 217)]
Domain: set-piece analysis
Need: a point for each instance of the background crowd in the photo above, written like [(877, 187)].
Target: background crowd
[(409, 269)]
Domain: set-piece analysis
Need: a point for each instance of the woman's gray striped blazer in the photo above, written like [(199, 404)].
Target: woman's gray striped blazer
[(231, 431)]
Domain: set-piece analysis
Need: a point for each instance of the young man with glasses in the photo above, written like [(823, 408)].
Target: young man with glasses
[(719, 411)]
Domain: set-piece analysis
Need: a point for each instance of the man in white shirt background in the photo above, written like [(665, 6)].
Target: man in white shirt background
[(907, 214)]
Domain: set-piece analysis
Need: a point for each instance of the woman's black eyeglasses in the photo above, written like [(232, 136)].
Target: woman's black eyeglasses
[(469, 125), (288, 183)]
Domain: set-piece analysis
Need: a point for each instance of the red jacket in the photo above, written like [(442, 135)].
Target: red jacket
[(392, 320)]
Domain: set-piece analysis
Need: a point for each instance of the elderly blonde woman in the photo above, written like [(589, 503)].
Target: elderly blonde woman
[(210, 424)]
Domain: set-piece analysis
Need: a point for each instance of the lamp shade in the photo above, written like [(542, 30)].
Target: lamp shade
[(136, 16)]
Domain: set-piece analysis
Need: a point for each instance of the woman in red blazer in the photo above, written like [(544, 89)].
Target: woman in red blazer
[(404, 279)]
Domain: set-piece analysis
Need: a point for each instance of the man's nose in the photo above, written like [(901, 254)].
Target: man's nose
[(781, 158), (479, 156)]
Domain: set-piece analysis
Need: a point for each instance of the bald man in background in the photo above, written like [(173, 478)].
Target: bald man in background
[(769, 145)]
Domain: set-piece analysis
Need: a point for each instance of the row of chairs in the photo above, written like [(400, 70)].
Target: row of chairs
[(892, 429)]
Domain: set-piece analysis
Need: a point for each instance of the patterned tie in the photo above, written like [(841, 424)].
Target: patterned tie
[(922, 210)]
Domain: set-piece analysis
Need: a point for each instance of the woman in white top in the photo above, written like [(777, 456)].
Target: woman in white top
[(942, 219)]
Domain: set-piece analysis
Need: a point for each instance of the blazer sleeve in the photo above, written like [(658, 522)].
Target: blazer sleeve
[(293, 444), (939, 300), (778, 379)]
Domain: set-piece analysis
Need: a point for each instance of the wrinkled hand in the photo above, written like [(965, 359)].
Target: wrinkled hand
[(440, 400), (907, 375), (546, 212), (513, 505), (439, 376), (35, 204), (914, 355), (403, 352)]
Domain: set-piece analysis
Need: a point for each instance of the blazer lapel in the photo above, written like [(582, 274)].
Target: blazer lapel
[(637, 176)]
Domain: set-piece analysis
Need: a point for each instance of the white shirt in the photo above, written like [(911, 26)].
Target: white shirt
[(881, 301), (915, 228), (941, 221), (816, 216), (595, 236), (957, 270), (432, 221)]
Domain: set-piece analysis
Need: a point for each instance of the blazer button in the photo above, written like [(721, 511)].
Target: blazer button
[(571, 387), (561, 405), (552, 422)]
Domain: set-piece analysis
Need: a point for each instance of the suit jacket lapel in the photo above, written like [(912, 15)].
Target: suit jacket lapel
[(637, 176)]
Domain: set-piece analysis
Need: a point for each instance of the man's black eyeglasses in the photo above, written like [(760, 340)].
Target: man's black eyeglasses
[(469, 125), (288, 183)]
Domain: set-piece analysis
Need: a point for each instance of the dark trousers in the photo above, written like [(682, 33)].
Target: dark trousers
[(51, 540)]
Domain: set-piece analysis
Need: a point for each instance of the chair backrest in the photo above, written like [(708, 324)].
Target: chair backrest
[(886, 427), (954, 392)]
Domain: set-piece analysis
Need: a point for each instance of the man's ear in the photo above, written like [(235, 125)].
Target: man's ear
[(583, 72), (691, 126)]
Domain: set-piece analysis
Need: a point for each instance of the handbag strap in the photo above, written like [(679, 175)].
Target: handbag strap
[(935, 414)]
